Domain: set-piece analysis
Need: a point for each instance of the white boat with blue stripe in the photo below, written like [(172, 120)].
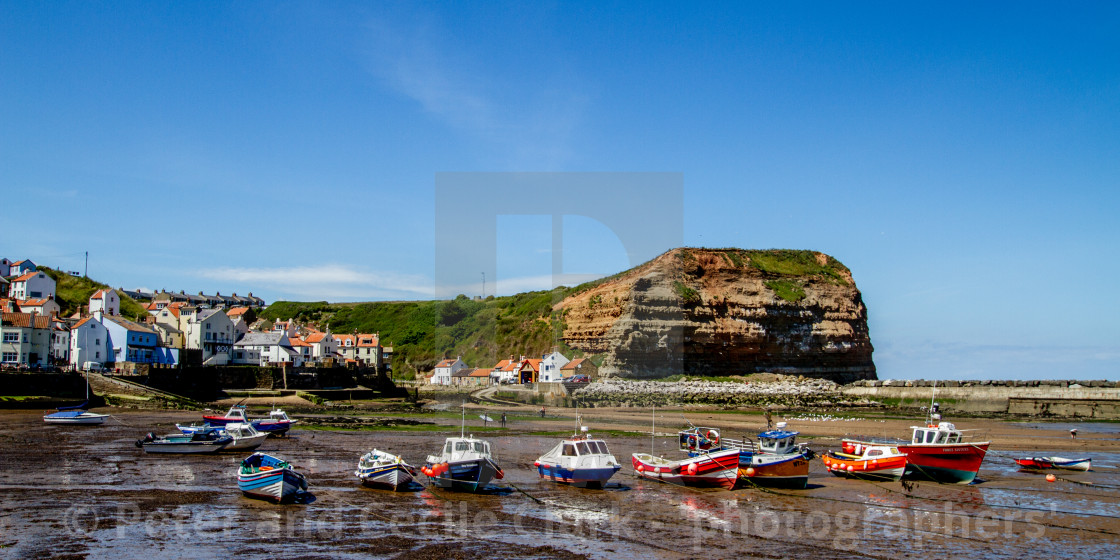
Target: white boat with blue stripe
[(381, 469), (581, 460), (266, 477)]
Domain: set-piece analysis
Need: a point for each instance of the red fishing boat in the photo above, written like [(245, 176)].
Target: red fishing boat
[(715, 469), (866, 461), (938, 451)]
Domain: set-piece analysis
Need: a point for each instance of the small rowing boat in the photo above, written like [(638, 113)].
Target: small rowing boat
[(266, 477), (1054, 463), (380, 469)]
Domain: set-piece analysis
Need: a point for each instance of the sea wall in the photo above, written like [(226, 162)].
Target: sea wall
[(791, 392), (1035, 398)]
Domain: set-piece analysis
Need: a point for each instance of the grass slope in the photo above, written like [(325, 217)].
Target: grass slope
[(73, 292)]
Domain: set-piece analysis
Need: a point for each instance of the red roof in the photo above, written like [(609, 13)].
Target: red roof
[(480, 372), (316, 337), (99, 293), (367, 340), (447, 363), (237, 311), (26, 276), (572, 364), (23, 320)]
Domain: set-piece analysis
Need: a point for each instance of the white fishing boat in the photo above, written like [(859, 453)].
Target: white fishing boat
[(381, 469), (464, 464), (581, 460), (245, 436), (201, 442)]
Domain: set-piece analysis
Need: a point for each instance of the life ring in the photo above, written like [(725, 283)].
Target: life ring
[(712, 435)]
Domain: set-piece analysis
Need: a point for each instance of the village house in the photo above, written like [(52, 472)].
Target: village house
[(5, 268), (31, 285), (265, 348), (60, 341), (134, 343), (443, 371), (89, 343), (169, 334), (322, 345), (40, 306), (505, 371), (550, 367), (209, 330), (580, 366), (25, 339), (20, 268), (529, 371), (105, 301)]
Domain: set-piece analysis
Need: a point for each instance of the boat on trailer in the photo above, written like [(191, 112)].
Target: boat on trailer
[(581, 461), (1054, 463), (269, 478), (381, 469), (866, 461)]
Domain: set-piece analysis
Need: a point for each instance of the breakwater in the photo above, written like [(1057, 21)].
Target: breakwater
[(789, 392), (1097, 399)]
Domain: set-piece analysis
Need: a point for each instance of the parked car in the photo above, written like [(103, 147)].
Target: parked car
[(580, 378)]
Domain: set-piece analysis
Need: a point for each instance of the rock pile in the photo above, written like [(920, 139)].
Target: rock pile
[(785, 392)]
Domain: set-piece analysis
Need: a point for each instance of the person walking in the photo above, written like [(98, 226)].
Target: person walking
[(542, 412), (769, 419), (503, 419)]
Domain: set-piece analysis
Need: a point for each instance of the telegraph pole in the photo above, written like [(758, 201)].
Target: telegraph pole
[(483, 285), (86, 271)]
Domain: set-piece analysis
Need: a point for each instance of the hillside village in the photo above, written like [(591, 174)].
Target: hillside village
[(181, 329)]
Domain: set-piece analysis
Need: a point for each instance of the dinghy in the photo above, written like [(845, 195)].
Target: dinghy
[(269, 478), (380, 469)]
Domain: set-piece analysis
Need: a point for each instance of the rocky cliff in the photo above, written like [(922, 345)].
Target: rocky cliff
[(725, 312)]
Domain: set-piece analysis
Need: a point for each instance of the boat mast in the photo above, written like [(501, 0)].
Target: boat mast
[(929, 415), (652, 430), (463, 423)]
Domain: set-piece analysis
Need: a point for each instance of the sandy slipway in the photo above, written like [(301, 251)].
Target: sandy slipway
[(789, 391)]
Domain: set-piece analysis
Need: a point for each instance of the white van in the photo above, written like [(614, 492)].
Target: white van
[(93, 366)]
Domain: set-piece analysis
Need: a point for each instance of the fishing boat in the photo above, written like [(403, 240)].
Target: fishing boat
[(380, 469), (277, 422), (202, 442), (866, 461), (718, 469), (245, 436), (938, 451), (1054, 463), (266, 477), (76, 414), (776, 460), (581, 460), (464, 464)]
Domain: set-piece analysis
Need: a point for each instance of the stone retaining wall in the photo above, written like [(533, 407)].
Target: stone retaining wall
[(1035, 398)]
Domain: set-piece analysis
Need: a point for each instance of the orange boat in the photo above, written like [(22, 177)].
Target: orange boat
[(868, 461)]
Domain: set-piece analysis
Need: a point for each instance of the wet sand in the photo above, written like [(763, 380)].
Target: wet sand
[(88, 492)]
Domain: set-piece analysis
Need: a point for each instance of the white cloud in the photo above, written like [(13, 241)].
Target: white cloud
[(332, 282)]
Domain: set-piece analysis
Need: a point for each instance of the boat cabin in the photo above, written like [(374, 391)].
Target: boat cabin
[(278, 415), (700, 440), (584, 447), (460, 448), (240, 430), (942, 433), (778, 442), (237, 411)]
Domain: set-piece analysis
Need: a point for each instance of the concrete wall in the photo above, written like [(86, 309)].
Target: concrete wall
[(1085, 399)]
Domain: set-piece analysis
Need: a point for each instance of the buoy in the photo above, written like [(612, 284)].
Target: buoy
[(500, 475), (851, 468), (1051, 478), (640, 468), (750, 471), (536, 463), (692, 469)]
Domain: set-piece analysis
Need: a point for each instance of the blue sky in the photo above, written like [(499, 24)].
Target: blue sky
[(963, 160)]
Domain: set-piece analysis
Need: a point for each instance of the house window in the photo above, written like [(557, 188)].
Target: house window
[(10, 357), (11, 337)]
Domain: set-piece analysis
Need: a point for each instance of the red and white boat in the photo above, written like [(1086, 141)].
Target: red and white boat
[(938, 451), (866, 461), (1054, 463), (711, 470)]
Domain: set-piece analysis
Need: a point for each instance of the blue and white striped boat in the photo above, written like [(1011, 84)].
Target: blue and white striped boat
[(582, 461), (379, 469), (266, 477)]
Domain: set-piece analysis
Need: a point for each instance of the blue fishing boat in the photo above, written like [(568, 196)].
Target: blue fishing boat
[(465, 465), (266, 477), (581, 460)]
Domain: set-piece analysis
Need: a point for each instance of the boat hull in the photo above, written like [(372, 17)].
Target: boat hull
[(183, 448), (387, 477), (579, 477), (1055, 463), (888, 469), (466, 476), (246, 443), (712, 470), (87, 418), (950, 463), (277, 485), (775, 471)]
